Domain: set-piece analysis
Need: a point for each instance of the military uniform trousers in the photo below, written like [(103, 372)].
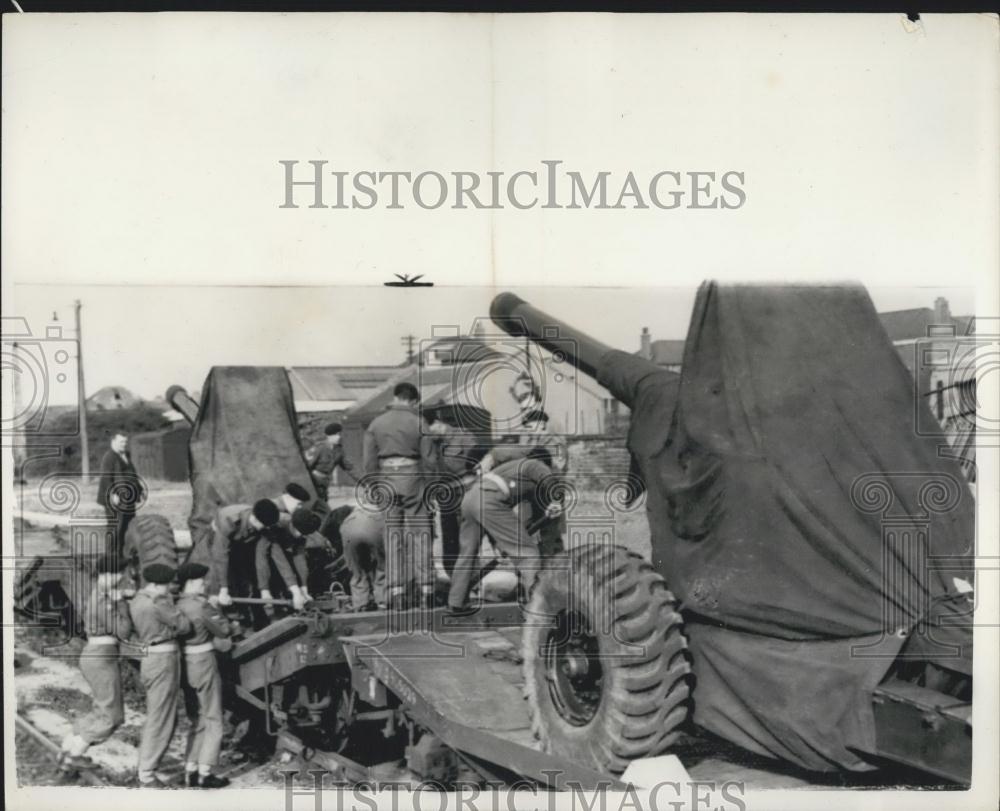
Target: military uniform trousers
[(408, 531), (160, 673), (321, 481), (100, 666), (203, 703), (485, 509), (450, 512), (367, 564)]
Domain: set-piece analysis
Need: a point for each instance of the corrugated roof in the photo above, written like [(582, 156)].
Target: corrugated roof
[(432, 382), (327, 383), (909, 325), (461, 349), (905, 325)]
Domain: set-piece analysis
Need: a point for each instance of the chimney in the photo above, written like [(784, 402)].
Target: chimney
[(646, 344), (942, 314)]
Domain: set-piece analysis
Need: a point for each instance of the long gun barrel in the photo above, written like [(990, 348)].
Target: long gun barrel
[(516, 317), (619, 371), (180, 400)]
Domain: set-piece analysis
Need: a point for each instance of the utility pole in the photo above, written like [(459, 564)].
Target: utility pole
[(82, 398), (15, 379), (408, 341)]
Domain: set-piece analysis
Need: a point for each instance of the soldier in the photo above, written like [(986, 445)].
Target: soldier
[(453, 456), (325, 457), (293, 497), (394, 449), (284, 548), (203, 686), (245, 527), (362, 534), (106, 621), (158, 623), (536, 435), (288, 503), (488, 507), (119, 490)]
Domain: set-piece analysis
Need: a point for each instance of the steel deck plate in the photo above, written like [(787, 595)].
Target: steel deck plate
[(475, 680)]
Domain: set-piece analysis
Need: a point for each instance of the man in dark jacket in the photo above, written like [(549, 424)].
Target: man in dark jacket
[(119, 491)]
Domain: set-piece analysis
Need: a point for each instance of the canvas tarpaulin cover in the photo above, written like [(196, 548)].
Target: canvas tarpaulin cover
[(795, 512), (245, 442)]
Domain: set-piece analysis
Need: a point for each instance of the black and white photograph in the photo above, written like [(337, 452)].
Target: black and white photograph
[(500, 411)]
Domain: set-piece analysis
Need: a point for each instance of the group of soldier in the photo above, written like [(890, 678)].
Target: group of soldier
[(417, 467), (177, 639), (501, 495)]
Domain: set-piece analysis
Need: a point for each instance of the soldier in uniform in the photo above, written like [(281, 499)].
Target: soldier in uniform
[(240, 528), (282, 551), (287, 547), (394, 450), (202, 684), (106, 621), (158, 624), (536, 435), (325, 457), (293, 497), (362, 534), (452, 459), (488, 508)]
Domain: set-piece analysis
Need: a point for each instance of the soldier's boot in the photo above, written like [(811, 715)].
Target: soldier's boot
[(214, 781)]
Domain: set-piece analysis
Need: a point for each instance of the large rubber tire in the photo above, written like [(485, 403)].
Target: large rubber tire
[(640, 659), (150, 539)]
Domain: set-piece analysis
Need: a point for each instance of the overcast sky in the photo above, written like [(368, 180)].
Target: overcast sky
[(148, 338), (146, 149)]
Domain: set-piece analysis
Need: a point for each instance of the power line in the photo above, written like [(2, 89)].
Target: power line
[(82, 397)]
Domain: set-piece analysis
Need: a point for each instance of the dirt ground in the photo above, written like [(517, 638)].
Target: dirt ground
[(50, 495)]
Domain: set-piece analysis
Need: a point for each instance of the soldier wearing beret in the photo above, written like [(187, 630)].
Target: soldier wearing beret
[(239, 528), (281, 556), (202, 684), (106, 621), (325, 457), (158, 623), (293, 497)]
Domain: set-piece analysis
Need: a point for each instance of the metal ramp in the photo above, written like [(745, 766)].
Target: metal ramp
[(466, 688)]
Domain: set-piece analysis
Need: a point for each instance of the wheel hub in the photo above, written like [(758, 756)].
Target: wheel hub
[(573, 668)]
